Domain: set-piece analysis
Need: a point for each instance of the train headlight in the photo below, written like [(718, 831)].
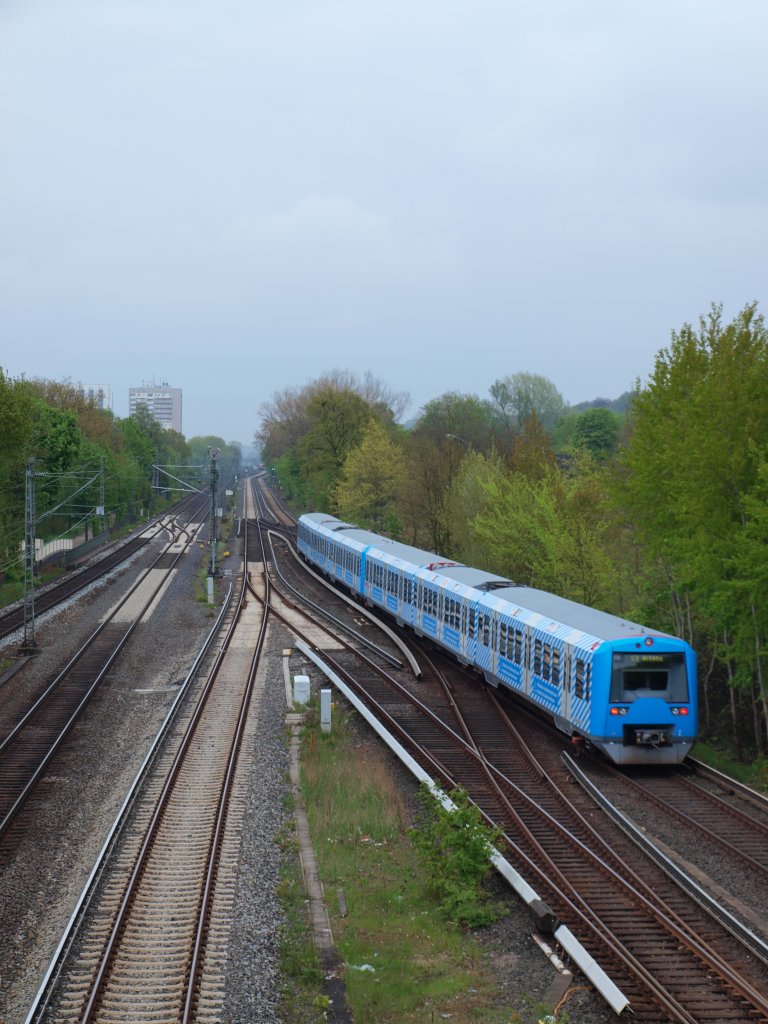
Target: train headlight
[(619, 711), (679, 711)]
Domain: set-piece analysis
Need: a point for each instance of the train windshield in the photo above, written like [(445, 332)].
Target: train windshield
[(638, 675)]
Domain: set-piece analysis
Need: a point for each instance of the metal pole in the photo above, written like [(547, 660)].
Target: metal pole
[(213, 452), (102, 501), (29, 559)]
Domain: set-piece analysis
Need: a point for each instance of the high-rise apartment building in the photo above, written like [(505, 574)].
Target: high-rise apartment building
[(163, 402), (98, 394)]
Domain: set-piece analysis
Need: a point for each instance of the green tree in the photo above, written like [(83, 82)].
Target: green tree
[(596, 431), (17, 418), (371, 482), (336, 423), (449, 430), (519, 396), (458, 422), (691, 479), (549, 531)]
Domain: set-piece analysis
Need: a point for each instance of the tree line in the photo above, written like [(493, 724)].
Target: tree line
[(80, 454), (654, 508)]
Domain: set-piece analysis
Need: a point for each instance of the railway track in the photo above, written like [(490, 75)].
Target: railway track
[(32, 740), (12, 620), (674, 960), (739, 833), (155, 940)]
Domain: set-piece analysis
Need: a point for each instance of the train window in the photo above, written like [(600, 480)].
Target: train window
[(518, 656), (556, 666), (581, 680), (408, 591), (451, 612), (537, 657), (640, 675), (483, 629), (503, 640), (546, 665)]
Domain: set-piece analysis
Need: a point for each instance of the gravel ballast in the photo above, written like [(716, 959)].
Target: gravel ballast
[(83, 790)]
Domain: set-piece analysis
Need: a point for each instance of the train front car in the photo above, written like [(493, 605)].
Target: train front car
[(644, 700)]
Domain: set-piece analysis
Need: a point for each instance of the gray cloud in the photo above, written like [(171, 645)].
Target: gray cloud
[(240, 196)]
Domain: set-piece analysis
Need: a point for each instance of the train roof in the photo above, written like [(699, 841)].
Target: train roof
[(592, 621), (385, 544)]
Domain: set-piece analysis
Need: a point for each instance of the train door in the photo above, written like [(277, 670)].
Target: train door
[(566, 682), (527, 644), (484, 627), (418, 606), (471, 647)]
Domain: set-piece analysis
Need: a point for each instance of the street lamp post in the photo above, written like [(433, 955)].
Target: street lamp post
[(455, 437)]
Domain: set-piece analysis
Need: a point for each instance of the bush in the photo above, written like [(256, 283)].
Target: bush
[(455, 848)]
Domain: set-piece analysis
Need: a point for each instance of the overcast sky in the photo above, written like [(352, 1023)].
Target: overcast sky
[(235, 197)]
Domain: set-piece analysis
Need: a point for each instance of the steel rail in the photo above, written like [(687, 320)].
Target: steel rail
[(71, 931), (669, 1003), (157, 816), (81, 698)]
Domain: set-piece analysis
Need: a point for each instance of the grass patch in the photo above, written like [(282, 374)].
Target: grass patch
[(298, 957), (405, 962), (754, 774)]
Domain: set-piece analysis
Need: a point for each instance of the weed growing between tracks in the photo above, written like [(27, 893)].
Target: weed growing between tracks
[(404, 961)]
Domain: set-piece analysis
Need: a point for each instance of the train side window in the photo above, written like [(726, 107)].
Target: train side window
[(546, 666), (556, 666), (581, 679), (537, 657), (518, 646), (504, 640)]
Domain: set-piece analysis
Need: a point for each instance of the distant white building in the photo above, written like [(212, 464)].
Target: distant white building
[(163, 402), (99, 394)]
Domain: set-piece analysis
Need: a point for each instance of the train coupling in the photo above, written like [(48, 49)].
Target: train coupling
[(651, 737)]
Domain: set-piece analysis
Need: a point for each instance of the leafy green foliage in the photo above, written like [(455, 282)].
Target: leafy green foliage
[(519, 396), (70, 439), (307, 435), (595, 431), (371, 482), (552, 532), (694, 484), (455, 847)]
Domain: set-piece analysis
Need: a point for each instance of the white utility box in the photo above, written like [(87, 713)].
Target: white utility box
[(301, 689)]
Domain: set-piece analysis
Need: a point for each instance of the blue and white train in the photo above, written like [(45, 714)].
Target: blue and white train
[(625, 689)]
